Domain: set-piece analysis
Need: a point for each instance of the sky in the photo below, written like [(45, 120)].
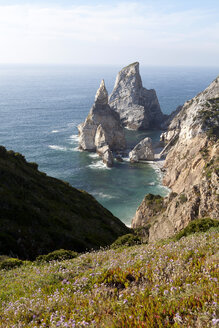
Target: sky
[(114, 32)]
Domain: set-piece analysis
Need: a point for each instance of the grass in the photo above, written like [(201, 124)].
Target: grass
[(169, 284)]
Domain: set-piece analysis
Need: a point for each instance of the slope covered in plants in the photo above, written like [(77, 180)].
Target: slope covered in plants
[(39, 214), (164, 284)]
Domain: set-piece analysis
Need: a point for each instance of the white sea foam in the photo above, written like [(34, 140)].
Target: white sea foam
[(102, 195), (129, 128), (74, 137), (151, 184), (76, 149), (61, 148), (55, 147), (55, 131), (94, 155), (99, 165), (126, 159)]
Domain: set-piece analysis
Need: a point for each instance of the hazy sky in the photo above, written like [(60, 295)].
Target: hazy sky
[(154, 32)]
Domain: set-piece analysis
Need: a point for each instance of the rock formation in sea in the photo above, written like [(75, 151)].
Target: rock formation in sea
[(192, 169), (143, 151), (102, 131), (40, 214), (138, 107)]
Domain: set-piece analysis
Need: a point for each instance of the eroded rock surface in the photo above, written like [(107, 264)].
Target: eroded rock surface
[(102, 126), (192, 168), (138, 107), (143, 151)]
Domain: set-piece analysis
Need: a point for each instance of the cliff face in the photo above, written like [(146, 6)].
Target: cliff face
[(138, 107), (192, 168), (39, 214)]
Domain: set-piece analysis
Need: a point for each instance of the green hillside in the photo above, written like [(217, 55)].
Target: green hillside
[(166, 284), (39, 214)]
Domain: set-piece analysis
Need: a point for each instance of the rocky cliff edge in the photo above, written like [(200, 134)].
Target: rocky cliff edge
[(191, 166)]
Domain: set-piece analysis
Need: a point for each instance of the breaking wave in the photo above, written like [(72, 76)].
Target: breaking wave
[(99, 165)]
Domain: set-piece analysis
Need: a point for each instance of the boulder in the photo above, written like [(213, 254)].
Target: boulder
[(138, 107), (143, 151)]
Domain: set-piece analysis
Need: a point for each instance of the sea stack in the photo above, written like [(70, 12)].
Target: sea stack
[(102, 130), (138, 107)]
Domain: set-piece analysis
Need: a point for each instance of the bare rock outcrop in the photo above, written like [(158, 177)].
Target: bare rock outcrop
[(107, 155), (192, 168), (102, 127), (143, 151), (138, 107)]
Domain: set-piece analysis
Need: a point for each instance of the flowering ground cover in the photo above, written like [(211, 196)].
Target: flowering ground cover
[(166, 284)]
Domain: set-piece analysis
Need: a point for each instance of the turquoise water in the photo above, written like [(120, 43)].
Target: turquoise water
[(40, 108)]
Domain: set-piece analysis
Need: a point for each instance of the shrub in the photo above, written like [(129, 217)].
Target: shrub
[(198, 225), (126, 240), (155, 203), (10, 263), (33, 165), (183, 198), (58, 255)]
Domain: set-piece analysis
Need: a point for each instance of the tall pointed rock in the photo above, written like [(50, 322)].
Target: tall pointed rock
[(138, 107), (102, 126)]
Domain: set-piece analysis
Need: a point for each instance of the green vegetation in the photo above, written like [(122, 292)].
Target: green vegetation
[(211, 166), (154, 203), (58, 255), (183, 198), (170, 284), (198, 225), (126, 240), (209, 117), (9, 263), (39, 214), (204, 152)]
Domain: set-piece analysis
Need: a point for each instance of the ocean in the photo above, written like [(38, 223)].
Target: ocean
[(41, 106)]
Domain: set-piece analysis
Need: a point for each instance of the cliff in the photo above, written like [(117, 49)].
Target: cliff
[(39, 214), (138, 107), (191, 168)]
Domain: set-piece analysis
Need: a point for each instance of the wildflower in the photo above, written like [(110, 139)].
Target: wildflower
[(84, 323), (177, 318), (215, 321), (166, 292)]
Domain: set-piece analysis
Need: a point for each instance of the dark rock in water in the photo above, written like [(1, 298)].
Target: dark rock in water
[(39, 214), (138, 107), (119, 158)]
